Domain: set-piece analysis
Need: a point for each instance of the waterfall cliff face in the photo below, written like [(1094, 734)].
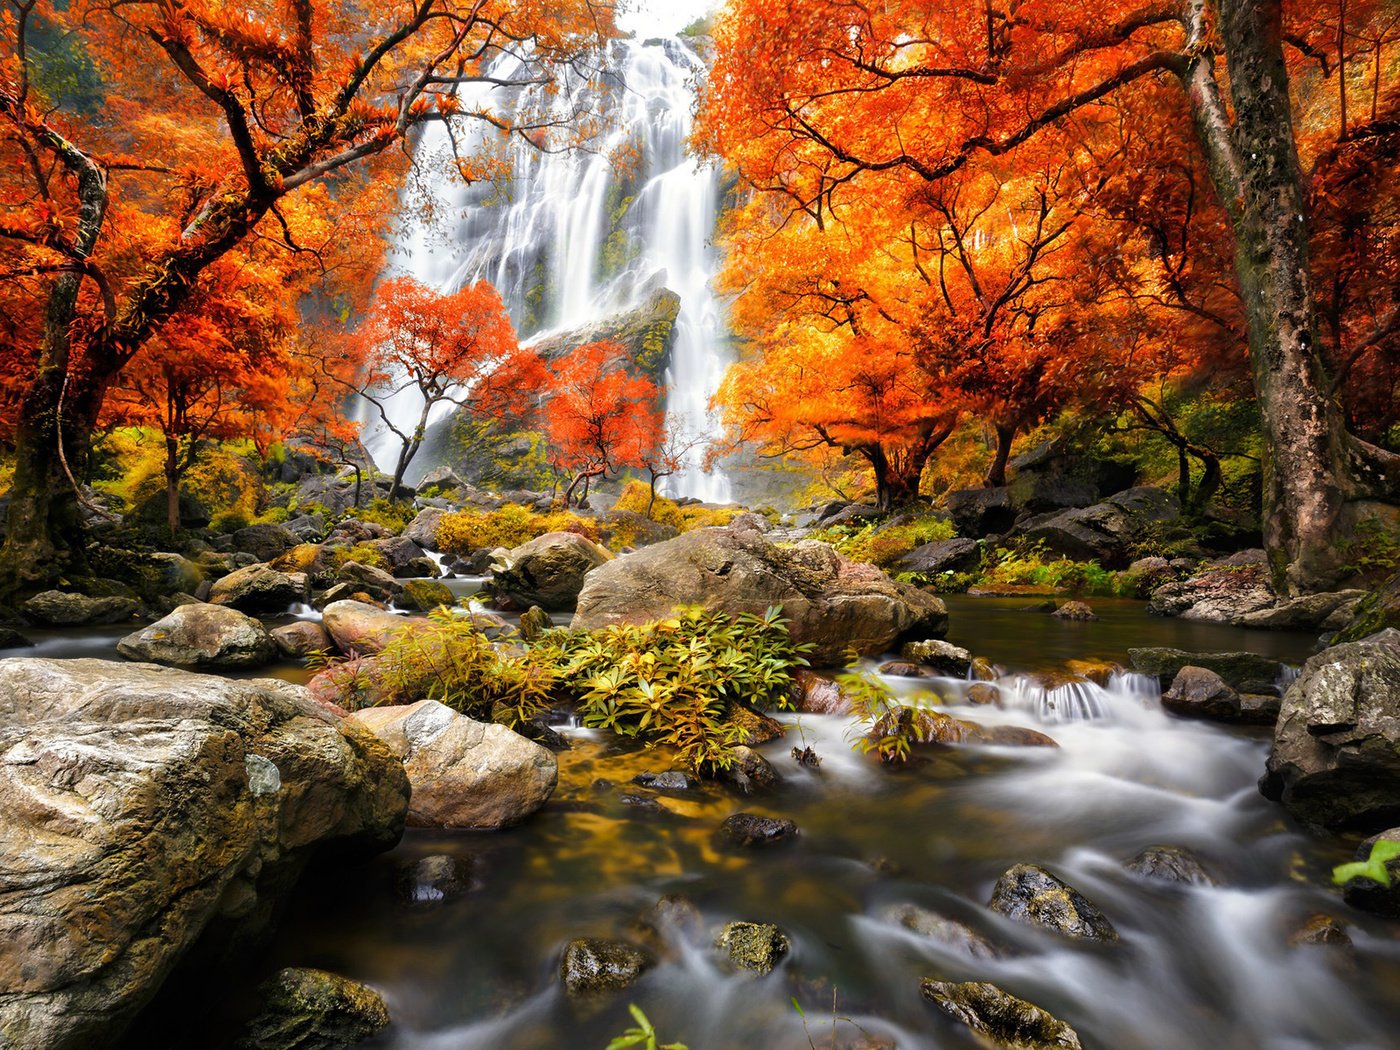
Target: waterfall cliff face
[(572, 239)]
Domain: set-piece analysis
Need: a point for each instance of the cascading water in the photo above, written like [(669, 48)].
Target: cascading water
[(574, 239)]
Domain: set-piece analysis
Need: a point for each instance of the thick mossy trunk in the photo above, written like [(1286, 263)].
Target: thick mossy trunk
[(1305, 471), (46, 533)]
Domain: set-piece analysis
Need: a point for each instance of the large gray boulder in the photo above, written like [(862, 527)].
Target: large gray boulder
[(422, 530), (830, 602), (202, 635), (174, 573), (930, 559), (403, 557), (549, 570), (1335, 761), (1107, 531), (465, 773), (143, 807), (259, 588), (67, 609), (265, 541), (980, 512)]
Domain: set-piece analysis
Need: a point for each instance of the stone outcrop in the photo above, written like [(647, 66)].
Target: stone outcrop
[(142, 806), (828, 601), (202, 635), (1335, 760), (465, 773)]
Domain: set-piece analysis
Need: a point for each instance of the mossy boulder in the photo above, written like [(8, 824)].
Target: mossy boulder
[(1335, 761), (997, 1018), (755, 946), (425, 595), (1245, 672), (67, 609), (1028, 893), (259, 588), (313, 1010)]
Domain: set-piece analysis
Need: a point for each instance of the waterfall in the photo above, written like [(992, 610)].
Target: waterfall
[(573, 239)]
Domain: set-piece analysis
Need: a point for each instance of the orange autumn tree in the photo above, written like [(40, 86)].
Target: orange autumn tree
[(434, 349), (817, 99), (218, 375), (599, 418), (827, 312), (200, 130)]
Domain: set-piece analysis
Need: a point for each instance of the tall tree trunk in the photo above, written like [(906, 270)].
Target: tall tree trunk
[(996, 473), (1305, 469), (1254, 165)]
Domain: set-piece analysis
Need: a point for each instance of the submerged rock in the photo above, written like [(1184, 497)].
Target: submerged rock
[(670, 780), (831, 602), (1029, 893), (755, 946), (549, 570), (1322, 931), (314, 1010), (464, 773), (816, 695), (1335, 760), (202, 635), (433, 879), (1074, 611), (592, 965), (12, 639), (998, 1018), (949, 933), (749, 771), (750, 829), (143, 807), (1170, 864)]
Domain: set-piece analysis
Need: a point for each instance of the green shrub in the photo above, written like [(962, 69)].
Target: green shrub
[(1034, 566), (882, 544), (670, 682), (227, 521), (362, 553)]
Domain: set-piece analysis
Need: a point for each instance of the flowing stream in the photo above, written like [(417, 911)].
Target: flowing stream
[(1198, 966), (573, 239)]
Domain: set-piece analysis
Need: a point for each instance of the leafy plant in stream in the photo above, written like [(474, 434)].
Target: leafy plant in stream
[(1373, 867), (673, 681), (642, 1036), (873, 705)]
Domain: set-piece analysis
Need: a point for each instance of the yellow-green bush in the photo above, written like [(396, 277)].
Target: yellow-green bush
[(224, 477), (362, 553), (469, 531), (705, 517), (883, 546), (395, 516), (635, 497)]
